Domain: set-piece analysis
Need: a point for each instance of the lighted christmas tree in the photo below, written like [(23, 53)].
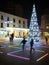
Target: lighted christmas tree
[(34, 32)]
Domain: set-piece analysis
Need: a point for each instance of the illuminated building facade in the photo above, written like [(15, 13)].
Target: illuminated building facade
[(45, 27), (13, 24)]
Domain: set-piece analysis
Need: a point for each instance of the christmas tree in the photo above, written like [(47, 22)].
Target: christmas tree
[(34, 32)]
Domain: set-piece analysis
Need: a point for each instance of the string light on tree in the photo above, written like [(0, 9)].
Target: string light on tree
[(34, 32)]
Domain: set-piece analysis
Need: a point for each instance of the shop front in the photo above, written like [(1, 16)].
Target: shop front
[(2, 34), (18, 32), (45, 37)]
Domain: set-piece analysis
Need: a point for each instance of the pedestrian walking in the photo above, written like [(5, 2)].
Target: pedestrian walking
[(11, 38), (23, 42), (31, 44)]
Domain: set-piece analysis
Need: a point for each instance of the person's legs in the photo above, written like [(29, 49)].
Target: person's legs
[(30, 47), (23, 46)]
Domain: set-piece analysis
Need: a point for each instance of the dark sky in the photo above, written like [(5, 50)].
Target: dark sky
[(23, 8)]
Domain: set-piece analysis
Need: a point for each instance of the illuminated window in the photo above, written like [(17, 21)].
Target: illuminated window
[(1, 25), (1, 17), (47, 27)]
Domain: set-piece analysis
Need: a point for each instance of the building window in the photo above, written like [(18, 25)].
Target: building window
[(7, 18), (19, 22), (1, 17), (13, 25), (7, 24), (13, 20), (1, 25), (23, 24)]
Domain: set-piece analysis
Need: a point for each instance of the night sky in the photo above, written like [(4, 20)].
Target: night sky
[(23, 8)]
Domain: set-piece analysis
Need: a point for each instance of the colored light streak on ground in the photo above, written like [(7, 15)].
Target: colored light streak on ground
[(18, 56), (42, 57), (40, 51), (26, 58), (14, 47), (11, 54), (15, 51), (36, 50)]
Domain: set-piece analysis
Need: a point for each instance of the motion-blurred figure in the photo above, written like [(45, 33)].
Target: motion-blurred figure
[(23, 42)]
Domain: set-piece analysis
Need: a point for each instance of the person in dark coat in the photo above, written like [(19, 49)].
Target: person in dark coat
[(31, 44), (23, 42), (12, 36)]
